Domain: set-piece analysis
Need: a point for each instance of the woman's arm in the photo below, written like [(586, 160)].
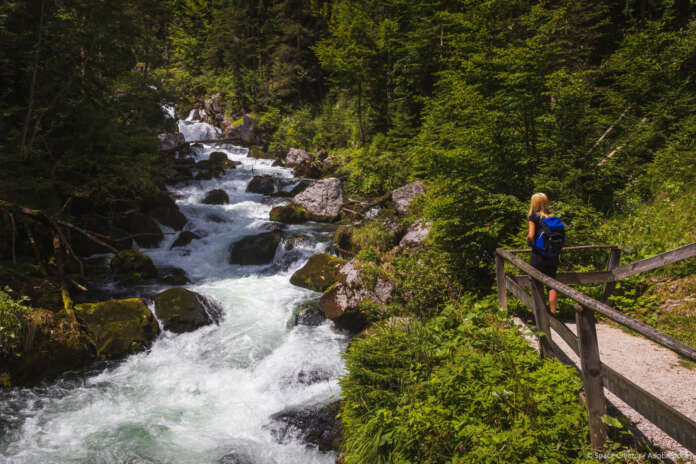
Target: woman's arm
[(530, 234)]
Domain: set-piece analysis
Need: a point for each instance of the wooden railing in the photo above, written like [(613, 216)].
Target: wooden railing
[(595, 375)]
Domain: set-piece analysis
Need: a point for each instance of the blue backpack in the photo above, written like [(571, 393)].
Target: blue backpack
[(551, 239)]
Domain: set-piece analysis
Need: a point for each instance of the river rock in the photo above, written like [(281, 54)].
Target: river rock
[(55, 345), (319, 273), (310, 316), (297, 156), (322, 200), (415, 234), (289, 214), (241, 131), (118, 328), (149, 234), (168, 142), (182, 310), (184, 238), (341, 301), (403, 196), (255, 249), (216, 197), (164, 209), (316, 426), (132, 266), (174, 275), (213, 107), (262, 184)]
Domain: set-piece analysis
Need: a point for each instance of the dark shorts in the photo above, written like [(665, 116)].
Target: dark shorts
[(548, 266)]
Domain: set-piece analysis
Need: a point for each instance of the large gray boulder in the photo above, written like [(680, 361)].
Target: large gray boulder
[(182, 310), (216, 197), (322, 200), (168, 142), (316, 426), (403, 196), (297, 156), (341, 302)]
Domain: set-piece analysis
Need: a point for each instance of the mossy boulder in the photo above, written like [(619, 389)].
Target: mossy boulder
[(55, 345), (133, 266), (261, 184), (289, 214), (149, 234), (118, 328), (220, 161), (319, 273), (256, 249), (216, 197), (181, 310)]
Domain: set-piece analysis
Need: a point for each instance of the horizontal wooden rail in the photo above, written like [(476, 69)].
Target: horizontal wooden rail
[(580, 278), (569, 248), (663, 259), (603, 309)]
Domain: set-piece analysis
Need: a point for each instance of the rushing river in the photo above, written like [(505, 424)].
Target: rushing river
[(200, 396)]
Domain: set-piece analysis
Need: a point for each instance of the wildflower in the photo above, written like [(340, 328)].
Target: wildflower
[(418, 318), (381, 309), (461, 448), (379, 315), (403, 329)]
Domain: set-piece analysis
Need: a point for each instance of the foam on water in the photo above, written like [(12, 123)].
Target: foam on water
[(196, 397)]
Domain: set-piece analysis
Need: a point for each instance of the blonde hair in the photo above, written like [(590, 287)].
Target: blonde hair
[(539, 205)]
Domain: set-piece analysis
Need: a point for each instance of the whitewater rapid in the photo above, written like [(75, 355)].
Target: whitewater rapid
[(199, 396)]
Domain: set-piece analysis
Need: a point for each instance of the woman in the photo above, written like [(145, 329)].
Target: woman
[(538, 211)]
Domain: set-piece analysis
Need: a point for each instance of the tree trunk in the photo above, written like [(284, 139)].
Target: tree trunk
[(32, 87)]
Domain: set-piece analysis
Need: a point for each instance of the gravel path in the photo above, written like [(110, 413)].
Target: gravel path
[(655, 369)]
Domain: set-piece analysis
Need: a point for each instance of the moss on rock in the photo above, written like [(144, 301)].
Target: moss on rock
[(319, 273), (118, 327), (133, 266), (181, 310), (290, 214)]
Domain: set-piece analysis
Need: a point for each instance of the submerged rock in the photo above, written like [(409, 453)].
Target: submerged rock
[(216, 197), (181, 310), (256, 249), (310, 316), (184, 239), (132, 266), (118, 328), (174, 276), (322, 200), (403, 196), (316, 426), (319, 273), (261, 184)]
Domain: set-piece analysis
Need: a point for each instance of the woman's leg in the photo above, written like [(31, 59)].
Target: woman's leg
[(553, 300)]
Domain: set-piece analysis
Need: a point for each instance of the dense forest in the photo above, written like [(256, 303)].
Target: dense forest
[(484, 101)]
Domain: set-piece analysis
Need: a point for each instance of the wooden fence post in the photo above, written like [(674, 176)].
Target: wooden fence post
[(500, 279), (542, 318), (591, 375), (614, 258)]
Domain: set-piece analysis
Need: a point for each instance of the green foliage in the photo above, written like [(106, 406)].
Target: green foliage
[(374, 169), (372, 235), (13, 319), (460, 388)]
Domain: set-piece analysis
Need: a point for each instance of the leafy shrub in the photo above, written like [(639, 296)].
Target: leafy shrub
[(372, 235), (13, 317), (463, 387)]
